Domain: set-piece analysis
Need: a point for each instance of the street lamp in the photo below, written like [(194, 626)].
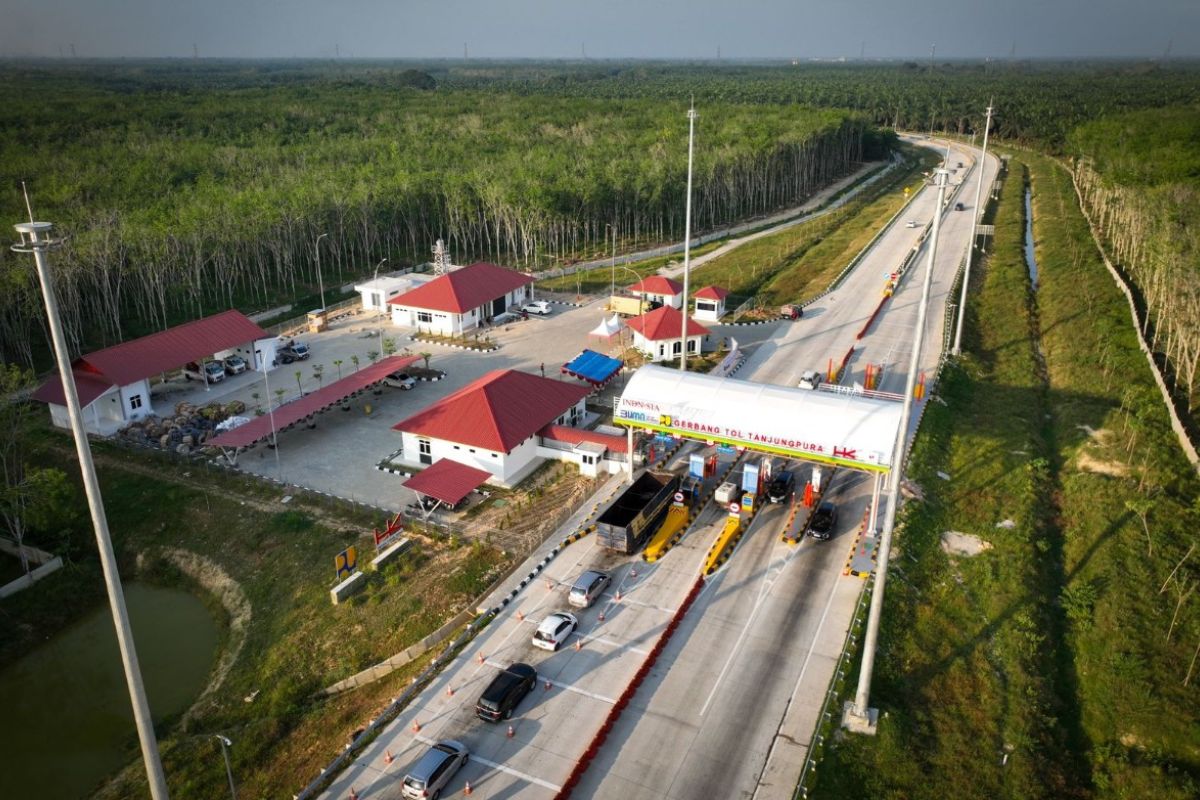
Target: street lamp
[(35, 239), (225, 745), (320, 282), (381, 301)]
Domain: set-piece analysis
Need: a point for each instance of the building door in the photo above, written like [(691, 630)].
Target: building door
[(498, 305), (424, 451)]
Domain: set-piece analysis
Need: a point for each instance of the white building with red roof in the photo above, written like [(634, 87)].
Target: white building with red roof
[(658, 334), (656, 289), (114, 383), (710, 303), (492, 423), (462, 300)]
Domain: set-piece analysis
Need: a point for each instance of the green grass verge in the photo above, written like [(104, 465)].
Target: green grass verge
[(600, 279), (1048, 666)]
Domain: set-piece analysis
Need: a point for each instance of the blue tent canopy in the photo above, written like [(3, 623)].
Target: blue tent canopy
[(595, 368)]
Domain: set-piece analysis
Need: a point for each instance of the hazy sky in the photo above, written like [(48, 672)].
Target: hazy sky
[(607, 28)]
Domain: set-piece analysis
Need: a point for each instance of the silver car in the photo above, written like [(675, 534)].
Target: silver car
[(587, 588), (430, 775)]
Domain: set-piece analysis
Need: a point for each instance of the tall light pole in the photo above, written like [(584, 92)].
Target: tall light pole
[(225, 745), (373, 279), (687, 242), (612, 289), (271, 419), (858, 717), (35, 238), (962, 303), (320, 282)]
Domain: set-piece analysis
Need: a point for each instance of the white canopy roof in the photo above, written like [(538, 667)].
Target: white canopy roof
[(607, 327), (846, 429)]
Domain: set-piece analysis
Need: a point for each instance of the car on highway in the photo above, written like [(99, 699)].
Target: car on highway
[(505, 692), (400, 380), (912, 223), (212, 372), (780, 486), (430, 775), (958, 206), (539, 307), (824, 519), (554, 630), (234, 365), (810, 379), (588, 587)]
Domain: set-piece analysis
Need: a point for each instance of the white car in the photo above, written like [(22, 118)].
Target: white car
[(539, 307), (234, 365), (811, 379), (554, 630), (401, 380), (912, 223)]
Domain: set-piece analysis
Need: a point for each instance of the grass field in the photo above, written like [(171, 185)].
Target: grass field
[(1047, 666)]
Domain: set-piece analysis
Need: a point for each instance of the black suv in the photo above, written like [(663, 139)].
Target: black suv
[(505, 692), (823, 521), (780, 486)]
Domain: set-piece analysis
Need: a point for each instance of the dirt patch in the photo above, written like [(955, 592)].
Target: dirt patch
[(963, 544), (1087, 463)]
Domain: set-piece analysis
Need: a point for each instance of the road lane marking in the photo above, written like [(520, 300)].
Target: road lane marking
[(516, 773)]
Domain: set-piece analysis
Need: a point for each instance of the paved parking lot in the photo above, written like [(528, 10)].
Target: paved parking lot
[(338, 456)]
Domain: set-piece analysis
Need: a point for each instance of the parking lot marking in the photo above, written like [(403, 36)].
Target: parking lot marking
[(525, 776)]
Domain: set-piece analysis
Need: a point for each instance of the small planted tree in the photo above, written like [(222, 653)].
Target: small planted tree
[(257, 398), (426, 356), (318, 373), (337, 362), (279, 397), (299, 386), (373, 356), (389, 346)]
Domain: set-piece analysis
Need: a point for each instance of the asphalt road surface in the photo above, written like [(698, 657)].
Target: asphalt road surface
[(731, 705)]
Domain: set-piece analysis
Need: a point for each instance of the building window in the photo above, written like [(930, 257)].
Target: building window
[(676, 348), (424, 316), (495, 455), (662, 350), (377, 300), (691, 345), (472, 449), (589, 460), (135, 402), (456, 447)]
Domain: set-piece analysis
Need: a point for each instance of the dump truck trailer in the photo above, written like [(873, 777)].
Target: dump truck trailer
[(636, 512)]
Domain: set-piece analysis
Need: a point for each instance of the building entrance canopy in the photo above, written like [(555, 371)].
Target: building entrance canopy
[(848, 430)]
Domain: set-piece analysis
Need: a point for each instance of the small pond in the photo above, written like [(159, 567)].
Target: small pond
[(67, 721)]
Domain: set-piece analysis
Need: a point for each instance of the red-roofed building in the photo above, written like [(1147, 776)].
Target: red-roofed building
[(655, 289), (463, 299), (114, 383), (710, 303), (657, 334), (492, 423)]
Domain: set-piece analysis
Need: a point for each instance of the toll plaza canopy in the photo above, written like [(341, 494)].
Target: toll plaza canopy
[(845, 429), (288, 414), (448, 481)]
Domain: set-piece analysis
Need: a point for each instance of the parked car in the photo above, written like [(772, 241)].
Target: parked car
[(554, 630), (505, 692), (430, 775), (824, 519), (293, 351), (810, 379), (780, 486), (587, 588), (539, 307), (234, 365), (212, 371), (400, 380)]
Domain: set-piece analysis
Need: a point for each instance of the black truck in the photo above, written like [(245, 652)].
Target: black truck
[(633, 516)]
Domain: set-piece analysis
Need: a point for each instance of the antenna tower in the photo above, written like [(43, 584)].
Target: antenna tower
[(441, 259)]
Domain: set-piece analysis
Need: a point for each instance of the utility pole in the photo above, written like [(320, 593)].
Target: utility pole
[(687, 241), (35, 238), (857, 717), (612, 289), (320, 281), (962, 303)]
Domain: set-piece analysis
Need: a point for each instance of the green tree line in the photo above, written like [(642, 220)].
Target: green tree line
[(184, 196)]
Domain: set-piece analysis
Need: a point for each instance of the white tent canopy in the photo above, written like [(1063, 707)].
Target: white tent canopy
[(845, 429), (607, 327)]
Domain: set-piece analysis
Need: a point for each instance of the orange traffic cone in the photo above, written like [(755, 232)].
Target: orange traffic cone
[(578, 645), (467, 788), (521, 614), (633, 572), (601, 617), (416, 727), (353, 794), (510, 732), (387, 757), (449, 691), (550, 583), (480, 656), (548, 684), (618, 594)]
